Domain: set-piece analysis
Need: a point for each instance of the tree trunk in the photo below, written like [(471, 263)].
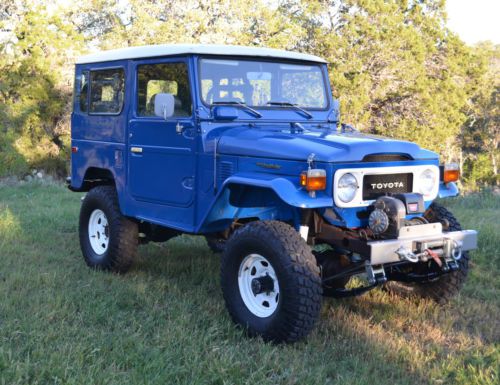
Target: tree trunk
[(494, 163)]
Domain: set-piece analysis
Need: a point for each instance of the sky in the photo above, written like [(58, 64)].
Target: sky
[(474, 20)]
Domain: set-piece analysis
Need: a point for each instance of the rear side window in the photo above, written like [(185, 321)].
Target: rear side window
[(171, 78), (81, 91), (107, 91)]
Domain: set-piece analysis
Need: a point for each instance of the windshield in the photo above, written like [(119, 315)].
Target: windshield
[(261, 83)]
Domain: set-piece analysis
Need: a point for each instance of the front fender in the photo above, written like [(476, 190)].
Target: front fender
[(271, 197), (448, 190), (288, 192)]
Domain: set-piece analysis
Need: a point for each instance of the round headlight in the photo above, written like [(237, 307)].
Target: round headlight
[(347, 187), (426, 182)]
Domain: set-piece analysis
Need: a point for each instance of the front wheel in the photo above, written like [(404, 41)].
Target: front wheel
[(270, 281), (107, 238)]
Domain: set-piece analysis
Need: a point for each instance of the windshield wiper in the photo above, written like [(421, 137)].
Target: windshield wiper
[(240, 104), (288, 104)]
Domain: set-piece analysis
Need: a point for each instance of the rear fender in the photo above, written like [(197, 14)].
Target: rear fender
[(93, 176), (96, 176)]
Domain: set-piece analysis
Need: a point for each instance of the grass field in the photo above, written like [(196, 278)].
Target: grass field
[(165, 321)]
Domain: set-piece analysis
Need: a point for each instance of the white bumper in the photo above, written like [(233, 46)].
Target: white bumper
[(416, 239)]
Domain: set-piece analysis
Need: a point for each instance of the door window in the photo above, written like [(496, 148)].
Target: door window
[(171, 78)]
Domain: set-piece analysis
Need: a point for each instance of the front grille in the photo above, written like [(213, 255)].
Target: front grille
[(386, 158), (378, 185)]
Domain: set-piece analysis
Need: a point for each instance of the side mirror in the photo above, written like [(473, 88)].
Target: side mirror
[(164, 105)]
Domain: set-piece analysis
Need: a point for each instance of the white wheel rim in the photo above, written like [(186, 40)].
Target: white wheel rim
[(254, 267), (98, 232)]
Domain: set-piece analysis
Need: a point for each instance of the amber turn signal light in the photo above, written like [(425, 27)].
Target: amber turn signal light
[(313, 179), (451, 173), (303, 178)]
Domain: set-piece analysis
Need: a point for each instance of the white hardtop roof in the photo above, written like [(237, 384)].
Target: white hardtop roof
[(182, 49)]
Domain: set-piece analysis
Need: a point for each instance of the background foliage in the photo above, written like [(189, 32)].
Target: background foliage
[(396, 68)]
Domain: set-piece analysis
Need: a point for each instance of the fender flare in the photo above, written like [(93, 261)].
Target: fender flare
[(447, 190), (288, 192)]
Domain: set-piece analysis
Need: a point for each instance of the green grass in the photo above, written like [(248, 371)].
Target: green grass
[(165, 323)]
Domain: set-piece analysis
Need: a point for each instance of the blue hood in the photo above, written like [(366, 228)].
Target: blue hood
[(328, 146)]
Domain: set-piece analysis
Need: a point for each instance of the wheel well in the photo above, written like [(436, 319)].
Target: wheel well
[(245, 196), (240, 204), (95, 176)]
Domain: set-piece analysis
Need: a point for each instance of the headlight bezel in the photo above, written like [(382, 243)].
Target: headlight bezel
[(353, 183)]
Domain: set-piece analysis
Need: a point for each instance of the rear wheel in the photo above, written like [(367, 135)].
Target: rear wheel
[(270, 281), (447, 286), (107, 238)]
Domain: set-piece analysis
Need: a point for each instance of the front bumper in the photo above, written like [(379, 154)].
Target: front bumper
[(414, 241)]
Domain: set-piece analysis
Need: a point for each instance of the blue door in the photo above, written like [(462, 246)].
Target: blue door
[(162, 151)]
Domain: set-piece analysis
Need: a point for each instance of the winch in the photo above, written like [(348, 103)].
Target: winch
[(389, 214)]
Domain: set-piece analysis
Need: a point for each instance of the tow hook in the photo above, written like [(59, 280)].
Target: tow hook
[(406, 254), (375, 275), (453, 249)]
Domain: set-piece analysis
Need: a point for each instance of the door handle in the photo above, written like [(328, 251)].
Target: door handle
[(136, 150)]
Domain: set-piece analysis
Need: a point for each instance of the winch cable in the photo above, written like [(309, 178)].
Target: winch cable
[(434, 256)]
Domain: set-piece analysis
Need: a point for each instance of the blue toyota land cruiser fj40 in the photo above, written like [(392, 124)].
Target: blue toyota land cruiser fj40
[(244, 146)]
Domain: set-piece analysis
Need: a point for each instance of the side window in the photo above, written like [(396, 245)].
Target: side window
[(81, 91), (171, 78), (106, 91)]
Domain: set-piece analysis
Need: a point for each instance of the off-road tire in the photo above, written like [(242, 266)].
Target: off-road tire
[(123, 232), (297, 272), (444, 288)]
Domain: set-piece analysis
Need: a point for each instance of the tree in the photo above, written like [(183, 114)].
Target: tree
[(396, 68), (36, 54), (168, 21), (481, 133)]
